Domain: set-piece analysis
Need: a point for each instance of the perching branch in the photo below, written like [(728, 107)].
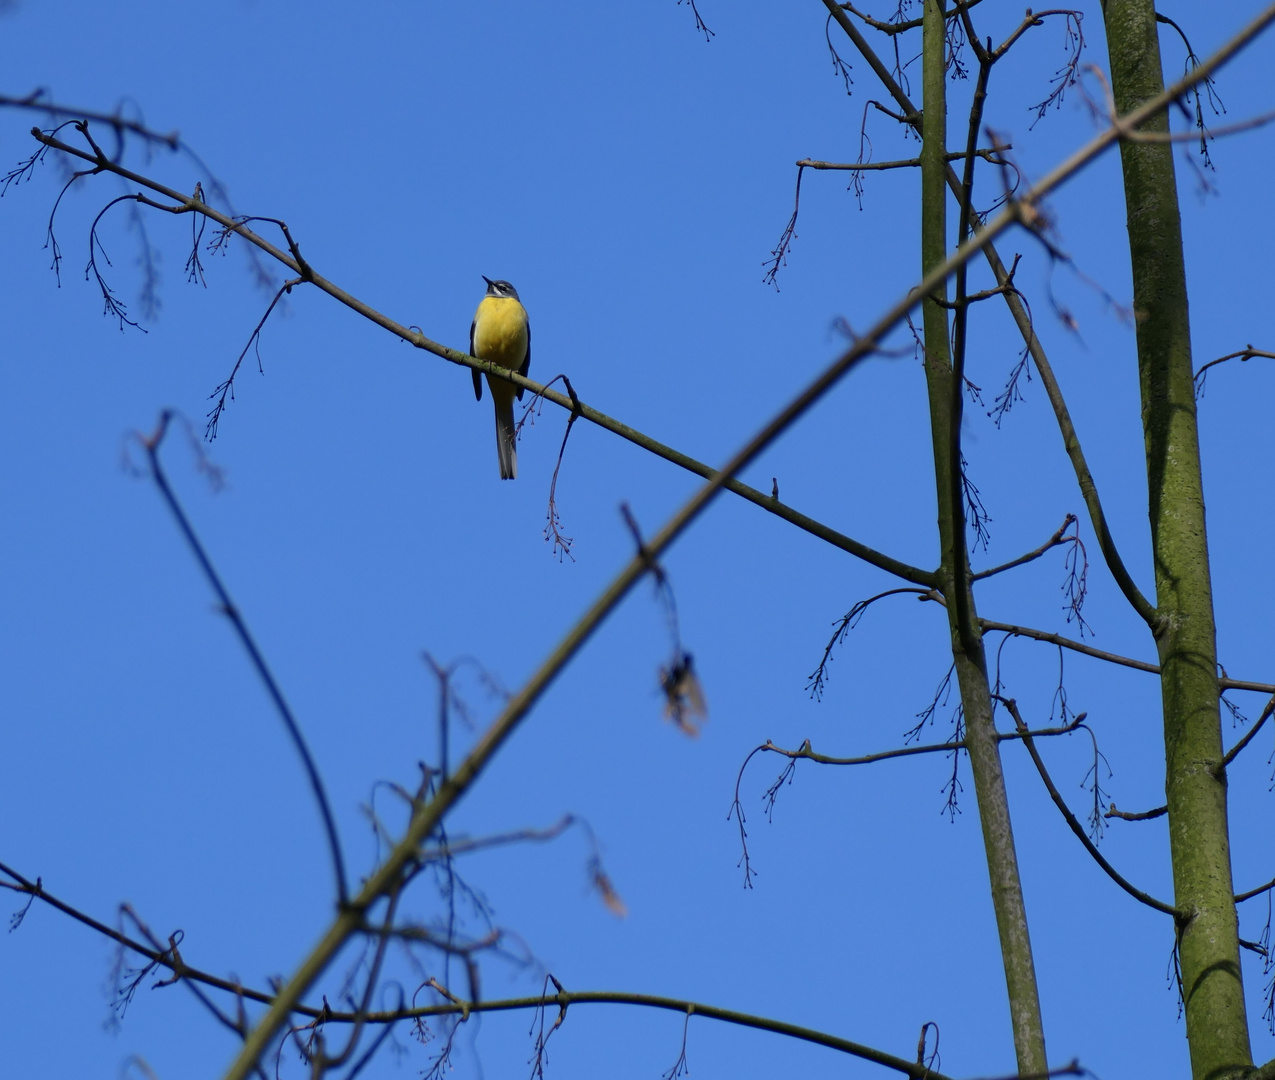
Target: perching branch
[(427, 819), (182, 204)]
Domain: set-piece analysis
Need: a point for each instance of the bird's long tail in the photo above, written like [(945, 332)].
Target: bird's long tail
[(505, 444)]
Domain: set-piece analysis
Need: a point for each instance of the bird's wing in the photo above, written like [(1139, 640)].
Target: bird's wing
[(478, 379), (526, 360)]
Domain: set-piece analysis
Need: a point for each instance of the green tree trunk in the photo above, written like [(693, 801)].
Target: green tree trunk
[(1216, 1024), (967, 644)]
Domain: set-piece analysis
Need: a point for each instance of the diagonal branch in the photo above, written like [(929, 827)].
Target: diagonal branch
[(428, 817), (1241, 897), (228, 608), (183, 204), (1248, 738), (1075, 825), (1036, 553), (1219, 768), (1067, 643), (165, 958), (1224, 683)]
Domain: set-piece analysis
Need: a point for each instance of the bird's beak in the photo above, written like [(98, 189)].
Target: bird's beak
[(486, 279)]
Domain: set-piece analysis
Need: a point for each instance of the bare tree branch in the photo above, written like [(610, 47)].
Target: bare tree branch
[(152, 445), (990, 627), (1022, 319), (1245, 354), (1036, 553), (1075, 826), (236, 227)]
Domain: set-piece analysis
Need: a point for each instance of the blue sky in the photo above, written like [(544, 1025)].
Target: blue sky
[(630, 179)]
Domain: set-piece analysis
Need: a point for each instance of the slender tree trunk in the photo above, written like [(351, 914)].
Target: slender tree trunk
[(1216, 1023), (967, 644)]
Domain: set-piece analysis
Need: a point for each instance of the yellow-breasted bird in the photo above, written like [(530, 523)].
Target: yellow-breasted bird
[(501, 333)]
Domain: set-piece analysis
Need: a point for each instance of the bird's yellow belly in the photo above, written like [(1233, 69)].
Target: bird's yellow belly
[(500, 332)]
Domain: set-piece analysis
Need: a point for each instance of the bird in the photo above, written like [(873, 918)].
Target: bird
[(501, 333)]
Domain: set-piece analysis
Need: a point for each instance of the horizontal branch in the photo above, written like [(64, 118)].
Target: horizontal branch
[(565, 998), (190, 204), (1224, 683), (1243, 355), (1141, 815), (170, 961), (807, 753), (992, 154)]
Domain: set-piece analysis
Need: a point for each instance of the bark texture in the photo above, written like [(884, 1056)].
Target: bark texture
[(967, 645), (1195, 785)]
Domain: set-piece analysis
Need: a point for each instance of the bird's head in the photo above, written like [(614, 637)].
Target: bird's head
[(500, 288)]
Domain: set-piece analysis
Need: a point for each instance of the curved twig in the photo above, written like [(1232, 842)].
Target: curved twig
[(1234, 751), (1074, 824), (151, 446), (1245, 354), (1241, 897)]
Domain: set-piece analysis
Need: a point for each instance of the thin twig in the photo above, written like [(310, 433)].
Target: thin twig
[(152, 445), (1074, 824), (1241, 897), (1036, 553), (1244, 354), (993, 154), (1141, 815)]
